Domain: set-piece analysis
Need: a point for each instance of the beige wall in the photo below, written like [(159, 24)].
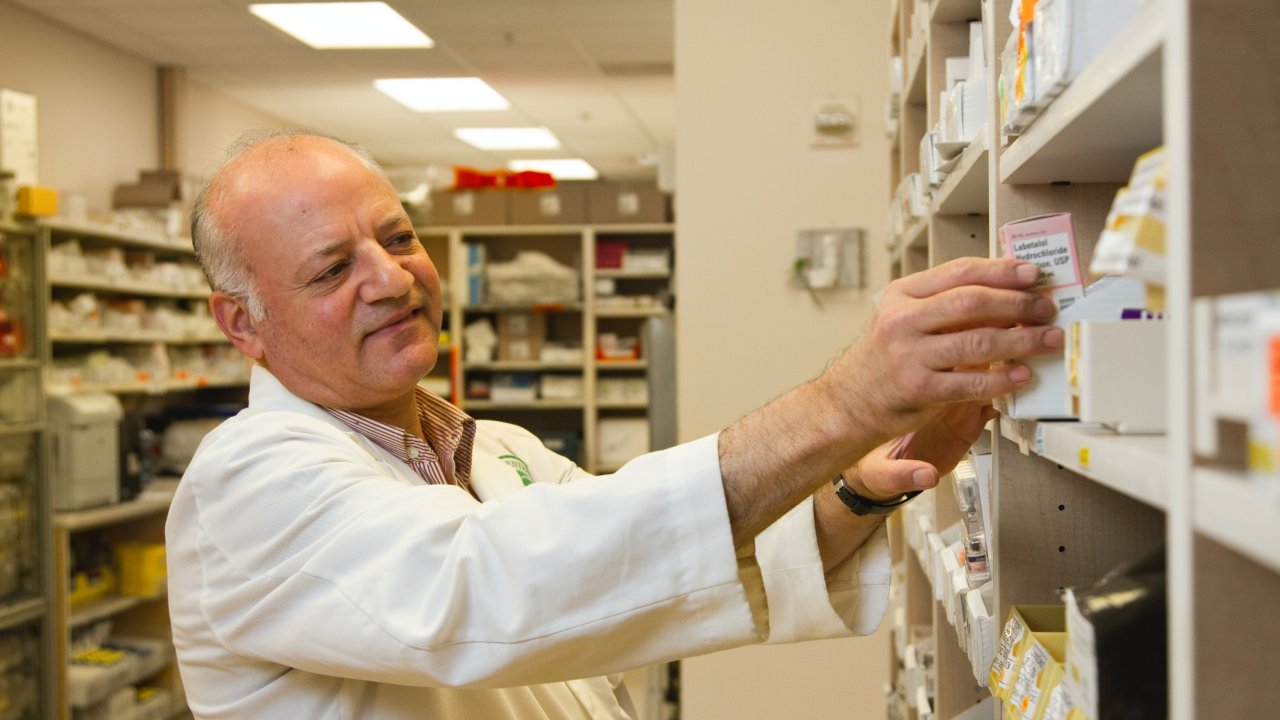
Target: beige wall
[(747, 180), (97, 108)]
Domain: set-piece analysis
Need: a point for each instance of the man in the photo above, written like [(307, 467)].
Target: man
[(351, 547)]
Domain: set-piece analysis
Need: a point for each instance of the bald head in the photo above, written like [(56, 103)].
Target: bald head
[(217, 213)]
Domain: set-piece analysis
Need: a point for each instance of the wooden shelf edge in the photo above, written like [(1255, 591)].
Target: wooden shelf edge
[(155, 499), (116, 234), (1235, 512), (971, 172), (21, 611), (1133, 465)]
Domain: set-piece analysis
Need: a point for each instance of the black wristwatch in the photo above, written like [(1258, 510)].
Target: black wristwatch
[(862, 506)]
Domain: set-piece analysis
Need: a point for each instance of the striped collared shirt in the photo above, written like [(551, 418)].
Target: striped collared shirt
[(445, 459)]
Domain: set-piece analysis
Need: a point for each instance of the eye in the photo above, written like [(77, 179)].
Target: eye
[(403, 240), (330, 272)]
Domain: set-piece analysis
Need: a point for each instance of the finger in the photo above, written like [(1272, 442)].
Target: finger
[(977, 349), (975, 306), (963, 386), (999, 272)]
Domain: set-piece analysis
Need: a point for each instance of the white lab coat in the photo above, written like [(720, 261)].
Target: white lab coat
[(313, 575)]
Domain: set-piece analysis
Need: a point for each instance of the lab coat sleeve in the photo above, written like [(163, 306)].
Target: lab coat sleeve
[(312, 558), (806, 604)]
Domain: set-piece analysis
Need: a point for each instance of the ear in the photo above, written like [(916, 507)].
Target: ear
[(236, 323)]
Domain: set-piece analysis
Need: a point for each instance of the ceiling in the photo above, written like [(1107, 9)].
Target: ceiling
[(597, 73)]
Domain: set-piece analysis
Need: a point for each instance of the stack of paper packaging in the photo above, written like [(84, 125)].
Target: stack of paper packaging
[(1133, 242), (962, 111), (1052, 43)]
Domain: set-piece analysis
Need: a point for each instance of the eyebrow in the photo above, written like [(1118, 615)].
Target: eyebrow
[(322, 254)]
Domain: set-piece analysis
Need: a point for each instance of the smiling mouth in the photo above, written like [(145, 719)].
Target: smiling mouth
[(396, 320)]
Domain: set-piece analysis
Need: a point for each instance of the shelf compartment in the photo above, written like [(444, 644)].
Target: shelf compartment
[(624, 274), (20, 612), (149, 388), (1104, 120), (104, 608), (534, 307), (915, 81), (20, 363), (155, 499), (516, 366), (622, 404), (118, 236), (1235, 512), (609, 312), (1134, 465), (139, 337), (964, 191), (917, 235), (949, 11), (469, 405), (621, 365), (20, 428), (129, 287)]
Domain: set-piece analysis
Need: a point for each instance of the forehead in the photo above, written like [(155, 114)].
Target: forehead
[(289, 186)]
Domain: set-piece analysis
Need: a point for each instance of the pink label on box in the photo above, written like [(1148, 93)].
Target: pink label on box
[(1048, 241)]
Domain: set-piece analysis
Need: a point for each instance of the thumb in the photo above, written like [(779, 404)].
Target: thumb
[(885, 477)]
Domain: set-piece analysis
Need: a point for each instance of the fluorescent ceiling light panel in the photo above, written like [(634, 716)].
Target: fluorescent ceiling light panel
[(442, 94), (343, 25), (559, 169), (508, 138)]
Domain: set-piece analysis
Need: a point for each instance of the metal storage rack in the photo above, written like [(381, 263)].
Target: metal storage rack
[(26, 689)]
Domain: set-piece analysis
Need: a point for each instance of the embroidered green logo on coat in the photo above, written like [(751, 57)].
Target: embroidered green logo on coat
[(519, 466)]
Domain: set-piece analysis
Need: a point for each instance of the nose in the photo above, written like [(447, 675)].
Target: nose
[(385, 275)]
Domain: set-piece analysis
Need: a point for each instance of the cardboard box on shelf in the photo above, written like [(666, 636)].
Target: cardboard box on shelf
[(470, 207), (520, 335), (565, 204), (626, 203)]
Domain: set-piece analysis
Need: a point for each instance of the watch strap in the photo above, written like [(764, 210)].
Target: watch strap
[(860, 505)]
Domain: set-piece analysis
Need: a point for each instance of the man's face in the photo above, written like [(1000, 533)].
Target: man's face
[(352, 301)]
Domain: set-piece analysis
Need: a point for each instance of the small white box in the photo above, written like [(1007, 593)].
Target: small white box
[(977, 51), (1116, 373), (973, 108), (957, 71), (560, 387), (1045, 397)]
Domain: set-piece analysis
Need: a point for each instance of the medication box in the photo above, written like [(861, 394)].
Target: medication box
[(1046, 396)]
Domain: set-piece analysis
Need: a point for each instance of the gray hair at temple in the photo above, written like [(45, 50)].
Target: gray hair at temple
[(220, 257)]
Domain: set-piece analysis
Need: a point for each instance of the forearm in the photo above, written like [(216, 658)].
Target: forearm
[(780, 454), (839, 532)]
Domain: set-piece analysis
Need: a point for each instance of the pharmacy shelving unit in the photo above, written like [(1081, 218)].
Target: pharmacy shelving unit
[(153, 247), (576, 323), (139, 519), (1072, 501), (26, 580)]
